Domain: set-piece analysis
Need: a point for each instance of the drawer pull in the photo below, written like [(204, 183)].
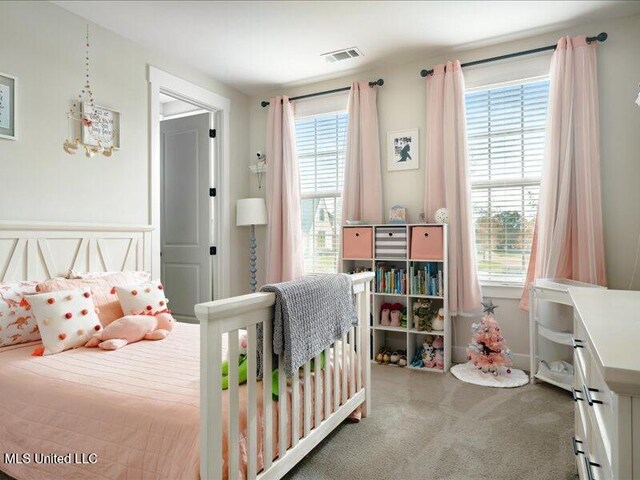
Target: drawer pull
[(357, 234), (390, 234), (576, 450), (577, 343), (587, 394), (426, 234), (575, 393), (588, 464)]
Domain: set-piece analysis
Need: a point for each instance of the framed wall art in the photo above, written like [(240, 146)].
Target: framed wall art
[(103, 127), (8, 102), (403, 150)]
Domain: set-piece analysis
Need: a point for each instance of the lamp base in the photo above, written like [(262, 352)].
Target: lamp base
[(252, 259)]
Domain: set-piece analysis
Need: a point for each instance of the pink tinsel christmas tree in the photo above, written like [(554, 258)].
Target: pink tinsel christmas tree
[(488, 351)]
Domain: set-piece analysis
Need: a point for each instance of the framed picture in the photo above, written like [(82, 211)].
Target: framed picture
[(104, 127), (403, 150), (8, 91), (398, 214)]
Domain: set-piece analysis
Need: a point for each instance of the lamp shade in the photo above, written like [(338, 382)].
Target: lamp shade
[(251, 211)]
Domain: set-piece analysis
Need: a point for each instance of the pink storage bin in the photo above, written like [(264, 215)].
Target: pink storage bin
[(427, 243), (357, 242)]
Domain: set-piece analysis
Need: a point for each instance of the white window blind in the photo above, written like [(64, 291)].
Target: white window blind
[(506, 132), (320, 142)]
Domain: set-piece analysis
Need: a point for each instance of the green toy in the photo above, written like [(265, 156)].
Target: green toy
[(242, 369)]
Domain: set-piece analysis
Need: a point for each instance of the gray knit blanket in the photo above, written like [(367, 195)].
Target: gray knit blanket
[(310, 314)]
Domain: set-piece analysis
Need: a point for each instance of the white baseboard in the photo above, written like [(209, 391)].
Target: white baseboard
[(520, 360)]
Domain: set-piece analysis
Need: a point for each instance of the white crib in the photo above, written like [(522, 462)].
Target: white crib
[(230, 315)]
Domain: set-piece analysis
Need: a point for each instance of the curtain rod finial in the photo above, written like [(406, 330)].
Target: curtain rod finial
[(379, 83), (264, 103), (601, 37), (425, 73)]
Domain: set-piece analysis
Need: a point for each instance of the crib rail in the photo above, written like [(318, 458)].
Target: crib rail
[(325, 391)]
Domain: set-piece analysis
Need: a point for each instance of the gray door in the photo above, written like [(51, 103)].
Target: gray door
[(186, 213)]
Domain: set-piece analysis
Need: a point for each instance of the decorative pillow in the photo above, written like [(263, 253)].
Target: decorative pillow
[(66, 318), (17, 324), (140, 277), (102, 291), (145, 298)]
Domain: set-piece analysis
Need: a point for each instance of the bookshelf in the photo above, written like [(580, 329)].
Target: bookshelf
[(387, 250)]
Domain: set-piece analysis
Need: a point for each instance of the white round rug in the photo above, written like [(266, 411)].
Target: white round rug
[(469, 373)]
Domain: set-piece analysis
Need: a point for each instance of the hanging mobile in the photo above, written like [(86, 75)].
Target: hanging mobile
[(81, 113)]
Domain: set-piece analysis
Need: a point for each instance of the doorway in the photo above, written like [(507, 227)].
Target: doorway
[(188, 208), (186, 166)]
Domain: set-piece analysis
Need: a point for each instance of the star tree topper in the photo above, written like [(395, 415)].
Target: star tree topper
[(489, 307)]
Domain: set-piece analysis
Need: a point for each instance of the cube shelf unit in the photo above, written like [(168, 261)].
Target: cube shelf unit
[(369, 246)]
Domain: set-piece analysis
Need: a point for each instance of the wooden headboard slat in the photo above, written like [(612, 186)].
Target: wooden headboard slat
[(41, 250)]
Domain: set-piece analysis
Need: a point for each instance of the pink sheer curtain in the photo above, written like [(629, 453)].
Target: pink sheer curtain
[(284, 259), (447, 182), (569, 238), (362, 191)]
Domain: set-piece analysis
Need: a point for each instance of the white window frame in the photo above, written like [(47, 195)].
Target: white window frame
[(491, 287), (317, 107)]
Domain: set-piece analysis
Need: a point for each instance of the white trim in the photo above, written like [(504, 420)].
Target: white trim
[(163, 82), (502, 289)]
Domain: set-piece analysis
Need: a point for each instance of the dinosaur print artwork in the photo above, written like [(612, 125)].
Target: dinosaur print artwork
[(17, 324)]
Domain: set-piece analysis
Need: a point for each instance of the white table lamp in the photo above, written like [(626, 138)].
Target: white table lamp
[(251, 212)]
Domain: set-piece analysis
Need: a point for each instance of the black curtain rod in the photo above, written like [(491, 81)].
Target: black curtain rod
[(378, 82), (600, 38)]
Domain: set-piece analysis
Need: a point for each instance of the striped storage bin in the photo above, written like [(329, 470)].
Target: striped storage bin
[(391, 242)]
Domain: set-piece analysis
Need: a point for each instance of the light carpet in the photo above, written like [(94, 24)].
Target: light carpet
[(431, 426)]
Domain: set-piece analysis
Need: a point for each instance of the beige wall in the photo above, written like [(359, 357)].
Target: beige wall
[(401, 105), (43, 45)]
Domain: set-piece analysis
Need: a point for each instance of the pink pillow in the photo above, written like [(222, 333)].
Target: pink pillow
[(102, 290), (17, 323)]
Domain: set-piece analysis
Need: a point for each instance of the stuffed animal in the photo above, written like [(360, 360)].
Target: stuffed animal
[(396, 314), (243, 343), (437, 322), (423, 310), (438, 348), (429, 355), (132, 328)]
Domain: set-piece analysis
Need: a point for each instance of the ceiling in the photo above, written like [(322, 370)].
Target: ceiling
[(256, 46)]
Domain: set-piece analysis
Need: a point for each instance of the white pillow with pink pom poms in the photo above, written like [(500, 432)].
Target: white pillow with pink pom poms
[(143, 299)]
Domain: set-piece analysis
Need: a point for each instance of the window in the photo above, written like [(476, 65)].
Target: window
[(321, 144), (506, 130)]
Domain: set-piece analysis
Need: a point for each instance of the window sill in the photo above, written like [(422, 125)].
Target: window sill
[(501, 290)]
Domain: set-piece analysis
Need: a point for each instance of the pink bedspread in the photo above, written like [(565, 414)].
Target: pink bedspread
[(136, 408)]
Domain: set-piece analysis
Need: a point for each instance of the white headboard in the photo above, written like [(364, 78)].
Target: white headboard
[(38, 250)]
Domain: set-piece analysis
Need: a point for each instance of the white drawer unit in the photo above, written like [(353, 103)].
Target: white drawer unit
[(606, 383)]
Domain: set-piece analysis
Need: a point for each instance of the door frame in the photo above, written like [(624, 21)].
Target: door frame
[(219, 108)]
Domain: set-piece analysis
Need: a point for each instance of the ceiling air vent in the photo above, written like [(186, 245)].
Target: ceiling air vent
[(338, 55)]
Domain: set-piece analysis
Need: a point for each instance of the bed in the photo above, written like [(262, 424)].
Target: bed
[(141, 410)]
